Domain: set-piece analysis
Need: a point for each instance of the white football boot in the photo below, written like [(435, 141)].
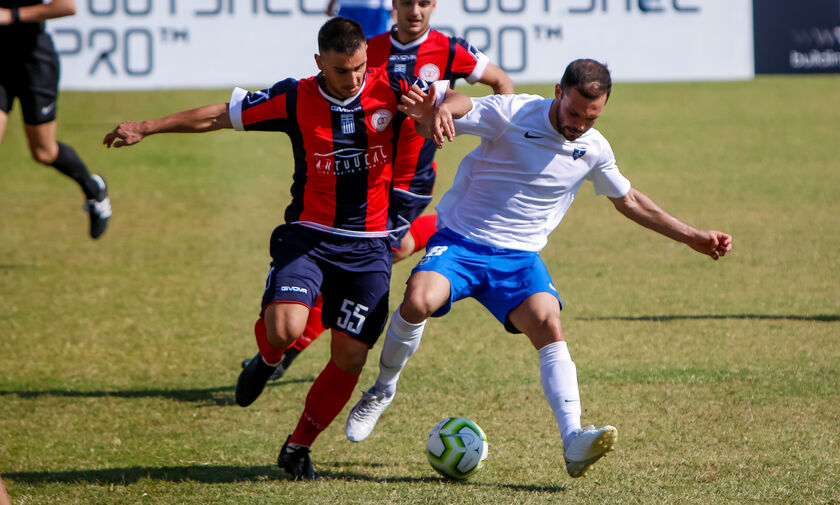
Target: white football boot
[(365, 413), (588, 446)]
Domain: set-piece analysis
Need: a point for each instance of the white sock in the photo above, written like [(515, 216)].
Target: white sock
[(401, 340), (560, 387)]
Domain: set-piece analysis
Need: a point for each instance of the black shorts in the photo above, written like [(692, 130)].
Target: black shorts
[(31, 75), (353, 274)]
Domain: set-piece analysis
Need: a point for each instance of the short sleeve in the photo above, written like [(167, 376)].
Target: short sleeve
[(468, 62), (489, 116), (263, 110), (605, 176)]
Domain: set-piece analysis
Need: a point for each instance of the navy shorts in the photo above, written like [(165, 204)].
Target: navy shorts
[(500, 279), (353, 274), (31, 75)]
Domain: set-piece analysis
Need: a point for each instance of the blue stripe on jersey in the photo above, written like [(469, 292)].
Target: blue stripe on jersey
[(351, 182), (447, 71), (299, 152)]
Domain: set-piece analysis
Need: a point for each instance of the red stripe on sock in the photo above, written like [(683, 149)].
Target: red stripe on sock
[(327, 396)]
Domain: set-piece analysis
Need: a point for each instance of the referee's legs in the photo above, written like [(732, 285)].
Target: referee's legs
[(47, 150)]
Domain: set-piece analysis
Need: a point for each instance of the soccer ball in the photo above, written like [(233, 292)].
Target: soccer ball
[(456, 448)]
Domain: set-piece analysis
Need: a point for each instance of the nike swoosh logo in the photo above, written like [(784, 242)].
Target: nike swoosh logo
[(571, 401), (529, 135), (47, 109)]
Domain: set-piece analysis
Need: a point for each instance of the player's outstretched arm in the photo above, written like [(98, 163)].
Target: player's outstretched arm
[(38, 13), (203, 119), (640, 208), (497, 79)]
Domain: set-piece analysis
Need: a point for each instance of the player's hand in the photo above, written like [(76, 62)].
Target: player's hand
[(444, 127), (126, 134), (418, 105), (712, 243), (5, 17)]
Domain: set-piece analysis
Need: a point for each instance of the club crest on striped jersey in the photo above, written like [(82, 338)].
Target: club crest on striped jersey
[(348, 125), (429, 72), (380, 119), (578, 152)]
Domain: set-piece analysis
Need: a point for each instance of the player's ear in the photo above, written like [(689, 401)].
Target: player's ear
[(558, 91), (318, 62)]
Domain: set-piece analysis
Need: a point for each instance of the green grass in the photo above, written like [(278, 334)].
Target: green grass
[(118, 357)]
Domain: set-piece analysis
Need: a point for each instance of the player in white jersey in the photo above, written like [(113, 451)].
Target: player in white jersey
[(508, 195)]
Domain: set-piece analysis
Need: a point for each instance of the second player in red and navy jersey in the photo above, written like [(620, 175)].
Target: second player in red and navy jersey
[(431, 57), (343, 149)]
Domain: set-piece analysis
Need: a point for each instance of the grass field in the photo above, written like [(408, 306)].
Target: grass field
[(118, 357)]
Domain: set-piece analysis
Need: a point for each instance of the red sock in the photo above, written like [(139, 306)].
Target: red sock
[(422, 229), (327, 396), (270, 354), (314, 326)]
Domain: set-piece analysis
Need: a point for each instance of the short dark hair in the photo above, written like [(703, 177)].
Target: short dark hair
[(341, 35), (589, 77)]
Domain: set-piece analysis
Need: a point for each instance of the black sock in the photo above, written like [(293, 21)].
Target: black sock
[(289, 355), (68, 163)]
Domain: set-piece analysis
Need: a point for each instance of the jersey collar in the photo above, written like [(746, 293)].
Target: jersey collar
[(411, 45), (336, 101)]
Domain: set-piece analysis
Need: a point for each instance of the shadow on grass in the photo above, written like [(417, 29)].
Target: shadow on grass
[(210, 474), (221, 474), (352, 476), (826, 318), (221, 395)]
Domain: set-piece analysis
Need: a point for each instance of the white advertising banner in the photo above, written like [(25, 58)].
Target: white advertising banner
[(148, 44)]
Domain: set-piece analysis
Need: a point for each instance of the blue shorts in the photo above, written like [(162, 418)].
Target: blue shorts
[(500, 279), (353, 274)]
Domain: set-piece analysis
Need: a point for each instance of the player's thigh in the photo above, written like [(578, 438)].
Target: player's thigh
[(538, 317), (42, 142)]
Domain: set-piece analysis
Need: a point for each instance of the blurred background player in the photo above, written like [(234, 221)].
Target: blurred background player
[(373, 15), (29, 71), (342, 124), (412, 47)]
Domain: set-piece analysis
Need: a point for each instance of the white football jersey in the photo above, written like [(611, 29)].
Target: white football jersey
[(515, 187)]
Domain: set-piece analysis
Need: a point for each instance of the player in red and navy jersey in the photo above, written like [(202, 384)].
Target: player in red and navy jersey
[(343, 124), (413, 48)]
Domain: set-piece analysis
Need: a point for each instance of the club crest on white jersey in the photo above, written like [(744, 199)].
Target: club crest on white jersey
[(579, 151)]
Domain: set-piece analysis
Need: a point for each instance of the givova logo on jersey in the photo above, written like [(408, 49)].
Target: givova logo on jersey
[(350, 160)]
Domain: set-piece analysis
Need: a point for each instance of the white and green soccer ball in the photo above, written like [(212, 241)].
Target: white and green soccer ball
[(456, 448)]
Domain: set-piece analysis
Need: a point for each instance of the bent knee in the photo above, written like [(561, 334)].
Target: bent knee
[(419, 305), (44, 155), (281, 333)]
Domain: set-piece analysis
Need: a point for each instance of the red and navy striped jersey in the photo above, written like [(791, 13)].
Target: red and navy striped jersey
[(343, 150), (432, 57)]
